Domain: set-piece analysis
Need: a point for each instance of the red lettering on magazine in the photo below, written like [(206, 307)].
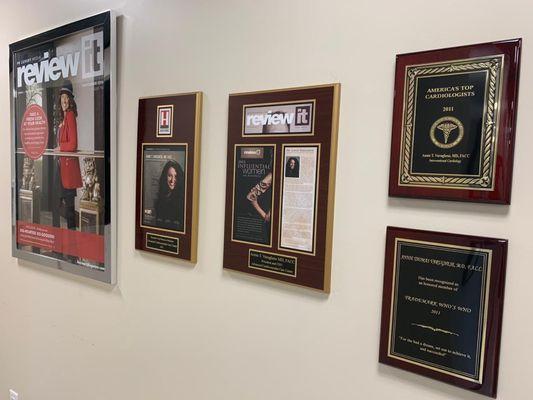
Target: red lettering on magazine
[(88, 246)]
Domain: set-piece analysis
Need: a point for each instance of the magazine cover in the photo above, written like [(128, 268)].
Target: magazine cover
[(252, 202), (164, 172), (62, 147)]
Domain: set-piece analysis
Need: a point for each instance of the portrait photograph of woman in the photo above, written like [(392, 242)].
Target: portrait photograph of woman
[(68, 173), (292, 167), (163, 191)]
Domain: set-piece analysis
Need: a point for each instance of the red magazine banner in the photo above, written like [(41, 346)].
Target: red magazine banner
[(34, 131), (84, 245)]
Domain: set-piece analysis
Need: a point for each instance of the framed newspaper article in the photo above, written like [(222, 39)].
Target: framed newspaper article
[(282, 147), (168, 170), (63, 145)]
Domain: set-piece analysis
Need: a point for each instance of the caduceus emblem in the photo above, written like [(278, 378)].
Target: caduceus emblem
[(447, 125), (447, 129)]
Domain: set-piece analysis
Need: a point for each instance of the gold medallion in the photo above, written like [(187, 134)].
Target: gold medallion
[(449, 128)]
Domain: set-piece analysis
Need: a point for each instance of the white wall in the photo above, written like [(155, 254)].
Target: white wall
[(172, 331)]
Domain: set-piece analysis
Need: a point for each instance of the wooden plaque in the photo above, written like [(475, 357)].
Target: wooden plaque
[(454, 123), (168, 162), (282, 148), (442, 306)]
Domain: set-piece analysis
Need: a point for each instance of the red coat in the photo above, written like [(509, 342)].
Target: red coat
[(68, 141)]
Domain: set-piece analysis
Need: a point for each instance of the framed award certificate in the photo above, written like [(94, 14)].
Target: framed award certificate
[(454, 123), (168, 164), (282, 148), (442, 306)]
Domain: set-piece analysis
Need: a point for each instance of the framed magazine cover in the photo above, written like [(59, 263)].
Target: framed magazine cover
[(62, 85)]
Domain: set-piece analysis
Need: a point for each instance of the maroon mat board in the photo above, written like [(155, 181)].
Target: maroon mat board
[(168, 161), (282, 148)]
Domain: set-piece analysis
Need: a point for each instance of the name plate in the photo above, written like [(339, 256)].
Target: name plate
[(439, 294), (278, 263), (162, 243)]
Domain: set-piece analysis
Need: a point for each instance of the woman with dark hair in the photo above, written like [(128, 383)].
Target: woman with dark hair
[(292, 168), (169, 206), (69, 174)]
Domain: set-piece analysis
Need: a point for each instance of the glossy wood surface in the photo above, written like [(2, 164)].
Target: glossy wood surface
[(312, 270), (511, 49), (489, 380), (184, 131)]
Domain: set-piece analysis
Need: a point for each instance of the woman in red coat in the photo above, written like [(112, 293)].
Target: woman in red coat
[(69, 167)]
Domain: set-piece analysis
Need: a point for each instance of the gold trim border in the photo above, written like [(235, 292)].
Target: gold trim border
[(485, 306), (482, 133), (163, 236), (489, 134), (288, 134), (331, 186), (196, 175), (273, 191)]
